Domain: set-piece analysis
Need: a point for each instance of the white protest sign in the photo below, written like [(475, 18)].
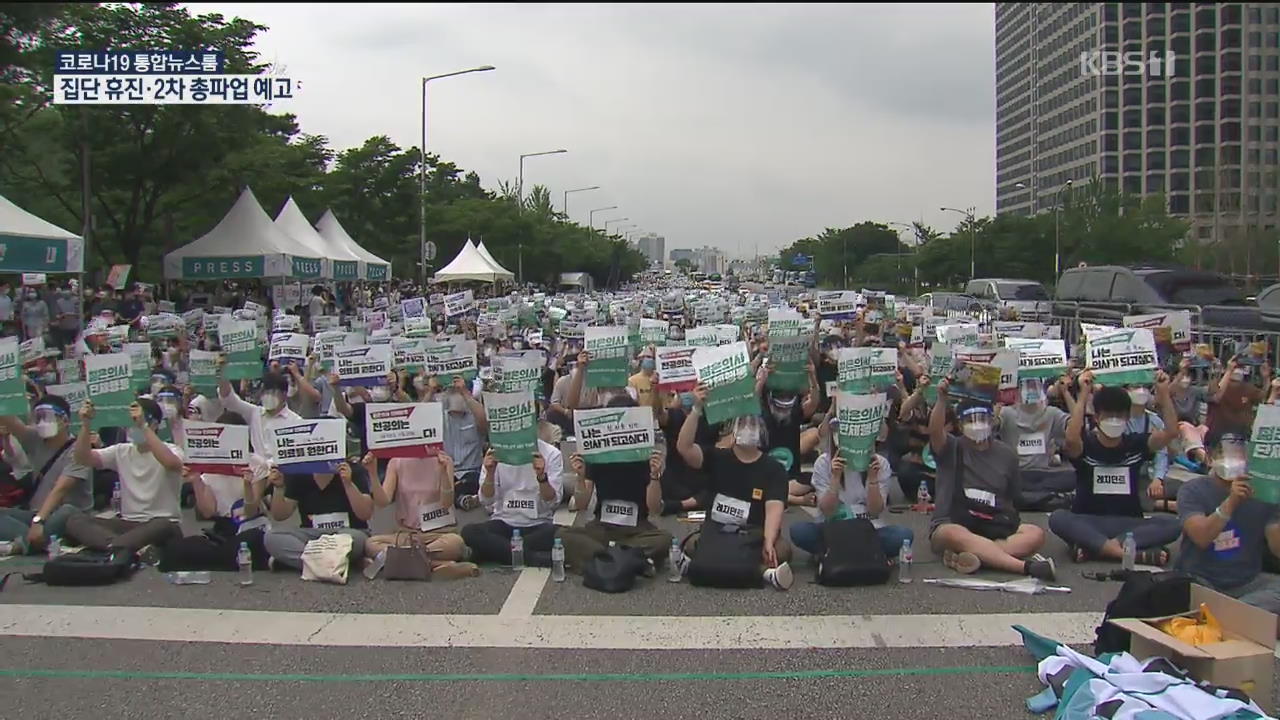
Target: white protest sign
[(309, 446), (413, 308), (289, 347), (365, 365), (1172, 328), (286, 324), (1005, 359), (404, 429), (1039, 358), (75, 393), (1120, 356), (323, 323), (216, 448), (447, 358), (674, 365), (459, 303), (614, 435)]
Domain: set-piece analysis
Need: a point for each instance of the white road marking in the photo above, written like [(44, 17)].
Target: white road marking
[(259, 627), (524, 594)]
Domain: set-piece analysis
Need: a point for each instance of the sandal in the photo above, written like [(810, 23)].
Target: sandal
[(1154, 556), (965, 563)]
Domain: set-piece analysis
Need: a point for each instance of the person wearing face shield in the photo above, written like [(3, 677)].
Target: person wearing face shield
[(1109, 480), (1232, 403), (262, 419), (975, 522), (1037, 432), (150, 472), (748, 491), (61, 485), (1226, 531)]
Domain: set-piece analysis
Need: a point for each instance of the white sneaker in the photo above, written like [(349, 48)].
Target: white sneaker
[(781, 577), (374, 566)]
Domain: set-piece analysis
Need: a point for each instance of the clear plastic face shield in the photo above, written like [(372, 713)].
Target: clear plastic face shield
[(48, 420), (749, 432), (975, 424), (1229, 460), (169, 403), (1031, 393)]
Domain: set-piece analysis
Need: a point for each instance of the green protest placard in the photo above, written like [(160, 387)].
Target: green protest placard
[(513, 426), (449, 358), (13, 386), (1043, 359), (866, 369), (108, 379), (784, 323), (701, 336), (1264, 454), (941, 360), (614, 435), (610, 356), (789, 359), (203, 366), (859, 418), (731, 387), (239, 340), (1121, 356), (407, 354), (139, 363), (513, 373), (653, 332)]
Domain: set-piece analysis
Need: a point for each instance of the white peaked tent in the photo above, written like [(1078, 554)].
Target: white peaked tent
[(371, 267), (244, 244), (293, 223), (30, 244), (471, 265), (484, 253)]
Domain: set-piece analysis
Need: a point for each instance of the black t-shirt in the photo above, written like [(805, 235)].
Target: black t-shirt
[(332, 500), (756, 482), (620, 482), (1107, 479), (131, 309), (704, 436), (356, 425), (784, 434), (826, 373)]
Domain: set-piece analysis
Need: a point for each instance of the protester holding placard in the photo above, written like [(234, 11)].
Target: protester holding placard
[(519, 497), (1037, 433), (61, 486), (327, 503), (234, 502), (263, 418), (683, 487), (150, 472), (421, 488), (747, 487), (785, 414), (628, 489), (1109, 484), (976, 523)]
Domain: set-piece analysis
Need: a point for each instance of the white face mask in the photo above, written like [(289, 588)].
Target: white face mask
[(1229, 469), (1112, 427), (380, 394), (978, 432), (169, 409), (1140, 396), (1238, 375), (747, 435), (271, 401), (47, 429)]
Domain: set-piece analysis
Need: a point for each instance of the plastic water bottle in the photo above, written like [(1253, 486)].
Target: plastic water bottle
[(244, 559), (613, 543), (517, 550), (904, 562), (674, 560), (115, 499), (55, 546), (189, 577), (1130, 554), (557, 561), (923, 496)]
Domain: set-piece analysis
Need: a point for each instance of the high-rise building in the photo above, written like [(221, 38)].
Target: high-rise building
[(653, 247), (678, 254), (1178, 99)]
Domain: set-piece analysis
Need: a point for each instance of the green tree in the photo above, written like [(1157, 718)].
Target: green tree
[(684, 266)]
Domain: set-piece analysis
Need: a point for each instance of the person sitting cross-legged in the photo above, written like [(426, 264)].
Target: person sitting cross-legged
[(976, 522)]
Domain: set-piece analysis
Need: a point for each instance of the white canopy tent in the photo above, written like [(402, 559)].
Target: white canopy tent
[(484, 253), (471, 265), (244, 244), (31, 244), (371, 267), (294, 224)]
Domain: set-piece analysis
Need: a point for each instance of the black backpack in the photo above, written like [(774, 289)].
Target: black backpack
[(1143, 595), (84, 568), (614, 569), (727, 559), (853, 555)]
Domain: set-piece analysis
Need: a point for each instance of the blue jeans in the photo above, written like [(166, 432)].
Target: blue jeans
[(15, 522), (808, 537)]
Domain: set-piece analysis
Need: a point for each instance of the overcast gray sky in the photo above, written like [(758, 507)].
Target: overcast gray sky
[(737, 126)]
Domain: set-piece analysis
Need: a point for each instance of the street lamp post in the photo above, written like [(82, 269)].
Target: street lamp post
[(973, 235), (565, 207), (591, 217), (614, 220), (520, 182), (904, 226), (1057, 233), (422, 167)]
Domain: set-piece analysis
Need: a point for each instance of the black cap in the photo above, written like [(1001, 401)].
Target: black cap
[(150, 410), (274, 381)]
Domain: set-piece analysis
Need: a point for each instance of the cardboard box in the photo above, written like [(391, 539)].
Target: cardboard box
[(1245, 659)]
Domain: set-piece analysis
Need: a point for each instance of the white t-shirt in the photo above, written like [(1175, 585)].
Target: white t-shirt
[(147, 489), (853, 494), (515, 484)]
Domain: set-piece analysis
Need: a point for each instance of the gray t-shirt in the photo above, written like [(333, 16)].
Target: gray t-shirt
[(1186, 403), (1235, 556), (989, 475), (463, 441), (80, 495), (1034, 437)]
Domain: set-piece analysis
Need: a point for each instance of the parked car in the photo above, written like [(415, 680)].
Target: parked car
[(1107, 292), (1007, 299), (942, 302)]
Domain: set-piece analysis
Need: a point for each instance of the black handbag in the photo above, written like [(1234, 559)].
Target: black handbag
[(852, 554), (727, 559), (614, 569), (82, 568)]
